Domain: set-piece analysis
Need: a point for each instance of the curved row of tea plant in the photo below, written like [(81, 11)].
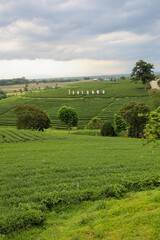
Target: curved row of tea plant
[(123, 88), (41, 176), (9, 135)]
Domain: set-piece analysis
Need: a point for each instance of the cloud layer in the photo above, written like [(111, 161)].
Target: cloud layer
[(62, 30)]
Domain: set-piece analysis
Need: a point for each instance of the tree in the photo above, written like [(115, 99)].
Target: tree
[(142, 71), (152, 128), (155, 97), (108, 129), (31, 117), (26, 88), (95, 123), (119, 124), (2, 94), (69, 116), (135, 115)]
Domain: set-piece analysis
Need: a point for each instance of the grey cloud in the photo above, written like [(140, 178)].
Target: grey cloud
[(69, 29)]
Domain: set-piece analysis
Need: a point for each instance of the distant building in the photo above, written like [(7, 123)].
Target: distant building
[(96, 80)]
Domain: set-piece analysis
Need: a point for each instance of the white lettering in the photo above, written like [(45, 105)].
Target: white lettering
[(87, 92)]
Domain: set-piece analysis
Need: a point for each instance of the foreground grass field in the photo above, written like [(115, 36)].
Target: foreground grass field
[(42, 178), (136, 216)]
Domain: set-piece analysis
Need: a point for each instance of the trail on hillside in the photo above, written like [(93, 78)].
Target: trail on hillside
[(102, 110)]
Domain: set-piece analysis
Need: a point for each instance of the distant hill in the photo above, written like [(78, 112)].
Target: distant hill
[(102, 99)]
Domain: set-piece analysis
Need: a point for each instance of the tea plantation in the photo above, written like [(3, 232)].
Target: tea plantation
[(49, 175), (45, 176), (102, 105)]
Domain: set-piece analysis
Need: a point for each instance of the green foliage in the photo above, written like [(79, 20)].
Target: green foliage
[(21, 218), (2, 94), (103, 106), (95, 123), (143, 71), (135, 115), (155, 97), (134, 217), (69, 116), (9, 135), (31, 117), (14, 81), (122, 88), (43, 175), (152, 129), (119, 124), (26, 88), (107, 129)]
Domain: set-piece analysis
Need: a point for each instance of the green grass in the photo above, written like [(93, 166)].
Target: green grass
[(49, 180), (50, 175), (134, 217), (10, 135), (123, 88), (87, 107)]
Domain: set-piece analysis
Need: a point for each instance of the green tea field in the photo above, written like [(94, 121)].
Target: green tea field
[(49, 175), (78, 186), (102, 105)]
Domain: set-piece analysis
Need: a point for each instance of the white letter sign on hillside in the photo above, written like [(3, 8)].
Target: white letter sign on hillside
[(92, 92)]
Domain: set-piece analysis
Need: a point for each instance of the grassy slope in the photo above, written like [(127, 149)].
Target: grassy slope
[(121, 88), (87, 107), (33, 173), (136, 216)]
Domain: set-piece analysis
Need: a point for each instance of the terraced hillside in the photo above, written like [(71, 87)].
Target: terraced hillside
[(102, 105), (11, 135)]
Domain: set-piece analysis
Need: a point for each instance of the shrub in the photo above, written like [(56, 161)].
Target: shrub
[(21, 219), (107, 129)]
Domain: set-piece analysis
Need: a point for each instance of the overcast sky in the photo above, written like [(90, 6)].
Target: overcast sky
[(58, 38)]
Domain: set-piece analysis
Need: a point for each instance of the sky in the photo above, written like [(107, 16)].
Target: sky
[(64, 38)]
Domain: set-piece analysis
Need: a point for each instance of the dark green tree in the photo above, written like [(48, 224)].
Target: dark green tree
[(108, 129), (152, 128), (31, 117), (135, 115), (143, 71), (2, 94), (155, 97), (69, 116), (95, 123), (119, 124), (26, 88)]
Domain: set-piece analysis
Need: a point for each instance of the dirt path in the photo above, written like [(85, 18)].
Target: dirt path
[(154, 84)]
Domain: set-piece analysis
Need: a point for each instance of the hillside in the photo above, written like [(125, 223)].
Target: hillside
[(42, 178), (134, 217), (102, 105), (77, 187)]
